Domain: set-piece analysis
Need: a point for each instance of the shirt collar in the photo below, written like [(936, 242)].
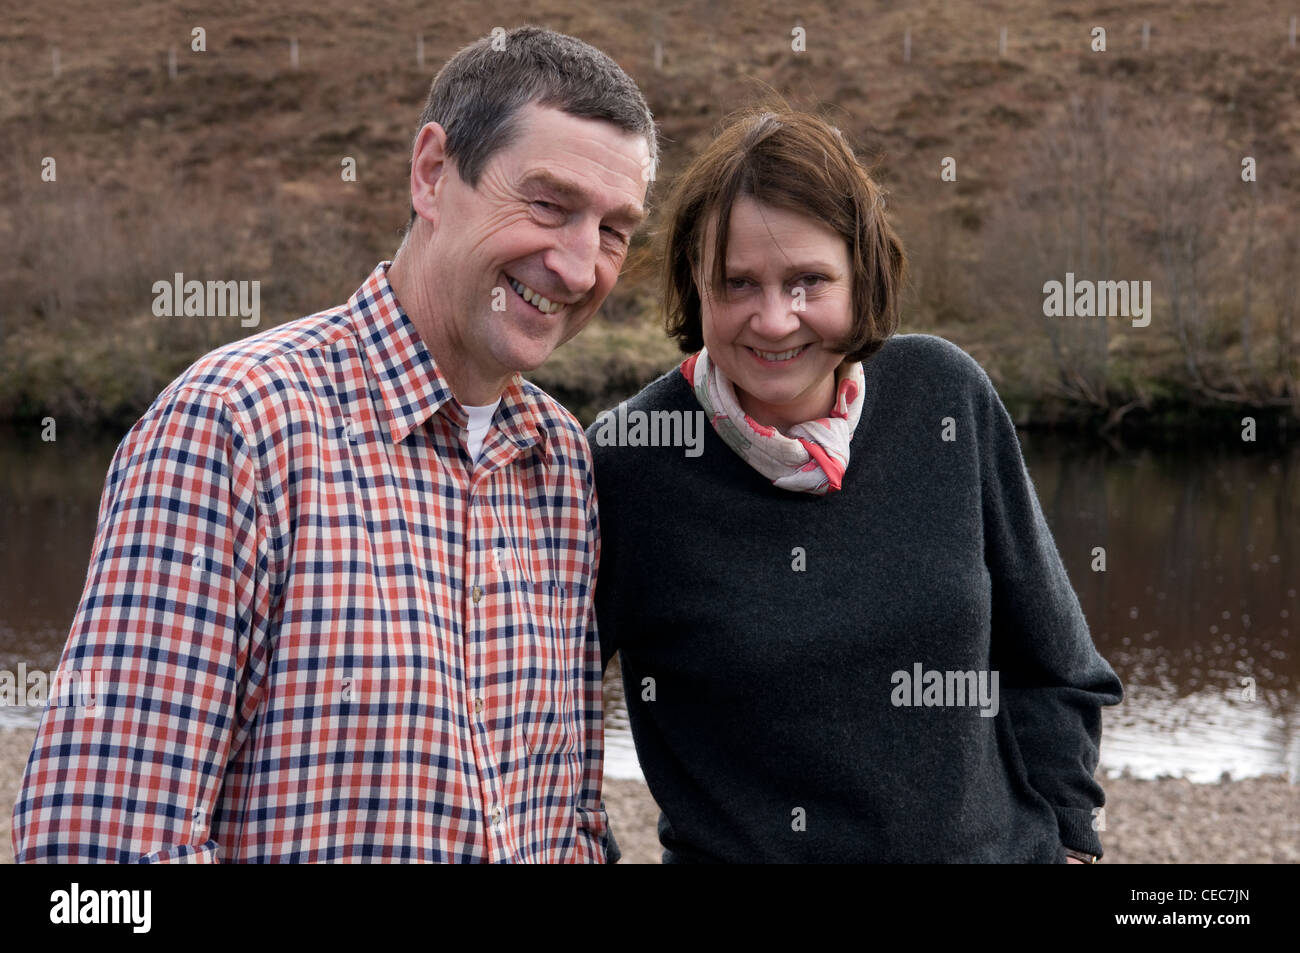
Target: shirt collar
[(411, 388)]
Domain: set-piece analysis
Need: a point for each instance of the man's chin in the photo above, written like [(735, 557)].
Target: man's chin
[(524, 353), (528, 358)]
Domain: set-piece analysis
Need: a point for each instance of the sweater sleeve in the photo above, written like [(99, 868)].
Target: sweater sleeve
[(1053, 681)]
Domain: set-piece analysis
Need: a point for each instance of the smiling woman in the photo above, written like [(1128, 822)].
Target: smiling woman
[(777, 324), (859, 509)]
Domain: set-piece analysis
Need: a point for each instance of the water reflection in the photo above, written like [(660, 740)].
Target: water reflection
[(49, 501), (1202, 736), (1198, 595), (1199, 591)]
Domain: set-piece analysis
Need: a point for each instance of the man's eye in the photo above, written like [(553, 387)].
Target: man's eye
[(623, 239), (548, 206)]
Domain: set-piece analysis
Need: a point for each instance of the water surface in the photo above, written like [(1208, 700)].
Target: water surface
[(1200, 591)]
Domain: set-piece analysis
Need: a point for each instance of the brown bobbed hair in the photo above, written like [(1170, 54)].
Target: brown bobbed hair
[(799, 162)]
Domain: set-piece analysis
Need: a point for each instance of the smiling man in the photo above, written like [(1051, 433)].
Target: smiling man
[(340, 590)]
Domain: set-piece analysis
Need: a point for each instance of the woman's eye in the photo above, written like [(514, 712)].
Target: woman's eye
[(812, 279), (547, 206), (735, 284)]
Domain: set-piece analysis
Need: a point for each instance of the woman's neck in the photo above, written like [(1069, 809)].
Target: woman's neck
[(815, 403)]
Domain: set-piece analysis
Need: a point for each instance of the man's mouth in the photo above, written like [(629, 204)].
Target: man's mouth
[(778, 357), (538, 301)]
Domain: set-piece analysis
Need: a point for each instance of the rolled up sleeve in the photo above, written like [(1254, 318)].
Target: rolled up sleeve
[(171, 634)]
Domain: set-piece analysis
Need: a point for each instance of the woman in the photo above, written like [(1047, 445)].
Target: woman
[(845, 630)]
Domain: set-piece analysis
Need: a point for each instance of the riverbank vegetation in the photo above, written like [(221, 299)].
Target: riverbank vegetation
[(1173, 164)]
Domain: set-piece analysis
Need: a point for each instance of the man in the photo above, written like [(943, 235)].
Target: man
[(339, 594)]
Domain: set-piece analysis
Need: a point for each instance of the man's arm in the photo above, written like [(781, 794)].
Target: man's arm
[(1053, 682), (593, 822), (171, 631)]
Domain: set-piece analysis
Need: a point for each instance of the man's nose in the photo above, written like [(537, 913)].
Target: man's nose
[(573, 259), (775, 317)]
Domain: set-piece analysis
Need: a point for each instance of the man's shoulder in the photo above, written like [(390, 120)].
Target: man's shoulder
[(257, 392), (562, 428), (263, 366)]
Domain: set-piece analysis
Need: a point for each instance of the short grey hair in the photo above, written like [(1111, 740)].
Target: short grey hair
[(478, 94)]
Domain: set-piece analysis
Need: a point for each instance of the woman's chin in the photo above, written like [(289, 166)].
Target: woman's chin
[(770, 399)]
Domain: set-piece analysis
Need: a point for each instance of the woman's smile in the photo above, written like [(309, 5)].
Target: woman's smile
[(778, 358)]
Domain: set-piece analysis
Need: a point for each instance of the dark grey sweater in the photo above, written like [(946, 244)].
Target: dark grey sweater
[(765, 636)]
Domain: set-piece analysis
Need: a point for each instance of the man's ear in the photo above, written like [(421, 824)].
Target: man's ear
[(429, 171)]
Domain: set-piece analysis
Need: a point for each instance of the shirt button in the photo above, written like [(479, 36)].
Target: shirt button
[(476, 593), (478, 705), (496, 816)]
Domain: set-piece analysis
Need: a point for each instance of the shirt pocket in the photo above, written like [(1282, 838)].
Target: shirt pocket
[(552, 674)]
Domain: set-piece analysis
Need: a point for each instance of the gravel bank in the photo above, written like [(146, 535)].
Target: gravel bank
[(1169, 821)]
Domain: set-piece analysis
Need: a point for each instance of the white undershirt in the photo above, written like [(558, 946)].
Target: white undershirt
[(480, 418)]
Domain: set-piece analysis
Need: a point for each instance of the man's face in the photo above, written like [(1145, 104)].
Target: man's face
[(552, 215)]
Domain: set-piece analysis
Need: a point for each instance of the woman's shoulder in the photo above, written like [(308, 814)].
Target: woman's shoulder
[(908, 365), (928, 353), (667, 395), (668, 391)]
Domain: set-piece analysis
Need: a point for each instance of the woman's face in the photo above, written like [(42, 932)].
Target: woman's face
[(787, 298)]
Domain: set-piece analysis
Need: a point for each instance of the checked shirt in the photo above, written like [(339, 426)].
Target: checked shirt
[(323, 633)]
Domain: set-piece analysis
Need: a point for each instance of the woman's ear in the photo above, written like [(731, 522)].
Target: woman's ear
[(702, 260), (697, 275)]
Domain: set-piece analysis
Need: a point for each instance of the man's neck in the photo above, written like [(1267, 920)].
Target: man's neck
[(467, 382)]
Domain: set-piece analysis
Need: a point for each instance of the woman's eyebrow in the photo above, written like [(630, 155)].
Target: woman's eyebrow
[(573, 192), (800, 268)]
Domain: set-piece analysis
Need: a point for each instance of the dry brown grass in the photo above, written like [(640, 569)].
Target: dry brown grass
[(234, 168)]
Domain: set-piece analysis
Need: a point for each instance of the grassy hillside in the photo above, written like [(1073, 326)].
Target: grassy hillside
[(1121, 165)]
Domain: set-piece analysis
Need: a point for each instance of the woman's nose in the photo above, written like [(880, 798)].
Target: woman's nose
[(776, 316)]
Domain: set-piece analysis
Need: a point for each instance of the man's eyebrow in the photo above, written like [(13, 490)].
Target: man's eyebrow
[(632, 214)]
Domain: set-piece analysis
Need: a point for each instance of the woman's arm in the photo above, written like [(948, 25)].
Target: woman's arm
[(1053, 681)]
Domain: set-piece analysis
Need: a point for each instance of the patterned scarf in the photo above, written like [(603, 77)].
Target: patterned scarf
[(813, 456)]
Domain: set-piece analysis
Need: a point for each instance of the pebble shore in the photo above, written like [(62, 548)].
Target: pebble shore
[(1166, 821)]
